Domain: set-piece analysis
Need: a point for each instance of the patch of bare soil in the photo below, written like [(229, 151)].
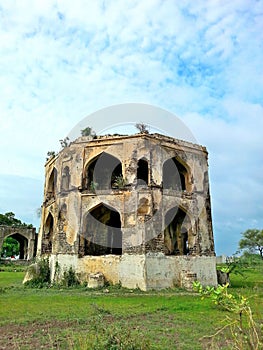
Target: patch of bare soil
[(36, 335)]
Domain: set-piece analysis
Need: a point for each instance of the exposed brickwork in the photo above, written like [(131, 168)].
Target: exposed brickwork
[(97, 202)]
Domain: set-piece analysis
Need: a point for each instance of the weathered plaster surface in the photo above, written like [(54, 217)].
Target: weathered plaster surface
[(153, 253)]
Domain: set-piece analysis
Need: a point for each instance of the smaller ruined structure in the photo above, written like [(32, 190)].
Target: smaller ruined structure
[(25, 236), (135, 209)]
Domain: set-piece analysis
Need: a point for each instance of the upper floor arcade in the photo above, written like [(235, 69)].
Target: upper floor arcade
[(123, 162)]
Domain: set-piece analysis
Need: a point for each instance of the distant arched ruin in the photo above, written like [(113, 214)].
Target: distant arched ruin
[(25, 236)]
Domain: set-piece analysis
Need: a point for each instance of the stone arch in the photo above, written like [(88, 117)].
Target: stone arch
[(102, 231), (24, 235), (142, 172), (102, 171), (23, 244), (47, 239), (65, 179), (177, 232), (51, 185), (175, 175)]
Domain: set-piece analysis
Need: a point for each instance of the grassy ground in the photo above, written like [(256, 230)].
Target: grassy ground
[(104, 319)]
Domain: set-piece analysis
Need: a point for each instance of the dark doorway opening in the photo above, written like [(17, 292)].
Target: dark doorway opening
[(15, 246), (103, 231), (65, 179), (48, 234), (103, 172), (52, 184), (174, 174), (176, 232), (142, 172)]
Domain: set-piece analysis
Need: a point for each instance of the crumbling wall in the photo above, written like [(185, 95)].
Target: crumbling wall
[(166, 271), (146, 258)]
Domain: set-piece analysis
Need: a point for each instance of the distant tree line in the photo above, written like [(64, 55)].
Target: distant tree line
[(9, 219)]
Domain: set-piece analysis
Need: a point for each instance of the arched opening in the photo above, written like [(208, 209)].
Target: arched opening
[(62, 212), (11, 248), (52, 184), (103, 172), (142, 172), (174, 175), (102, 231), (65, 180), (15, 246), (48, 234), (176, 232), (62, 218)]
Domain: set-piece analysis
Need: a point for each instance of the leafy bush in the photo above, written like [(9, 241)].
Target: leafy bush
[(239, 265), (119, 182), (41, 274), (69, 278), (245, 331), (250, 260)]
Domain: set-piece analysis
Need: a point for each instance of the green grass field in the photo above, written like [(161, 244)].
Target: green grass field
[(78, 318)]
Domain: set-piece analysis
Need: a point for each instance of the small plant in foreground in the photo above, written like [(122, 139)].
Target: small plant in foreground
[(244, 329)]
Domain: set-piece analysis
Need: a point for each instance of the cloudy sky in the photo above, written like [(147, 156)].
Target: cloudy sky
[(201, 60)]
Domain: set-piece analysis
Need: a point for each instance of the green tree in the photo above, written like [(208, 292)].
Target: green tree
[(9, 219), (10, 247), (252, 240), (88, 131)]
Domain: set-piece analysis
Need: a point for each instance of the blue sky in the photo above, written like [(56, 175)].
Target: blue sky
[(201, 60)]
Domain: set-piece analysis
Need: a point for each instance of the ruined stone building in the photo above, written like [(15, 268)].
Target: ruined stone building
[(135, 208), (24, 235)]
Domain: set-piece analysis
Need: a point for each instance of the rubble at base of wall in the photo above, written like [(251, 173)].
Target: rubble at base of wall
[(96, 280), (32, 272)]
